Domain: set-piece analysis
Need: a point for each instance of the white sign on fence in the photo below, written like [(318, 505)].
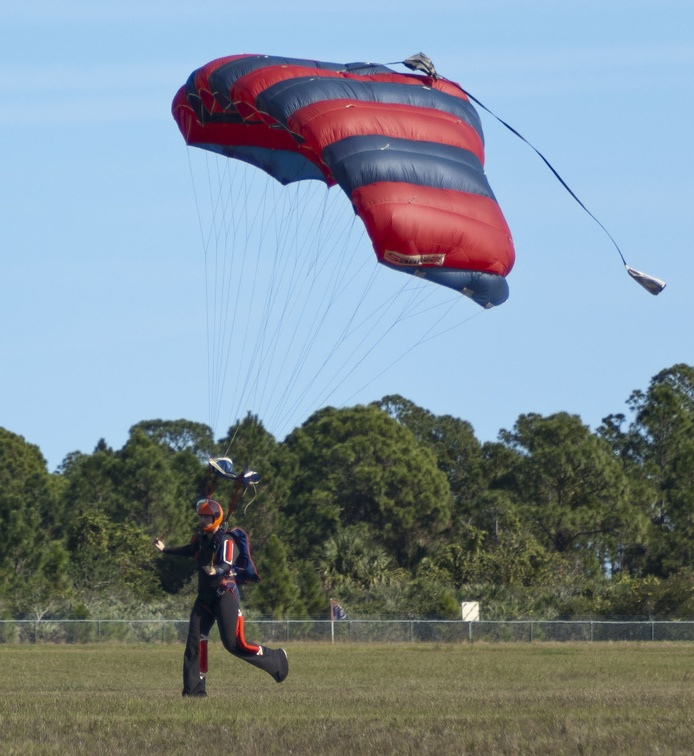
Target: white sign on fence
[(471, 611)]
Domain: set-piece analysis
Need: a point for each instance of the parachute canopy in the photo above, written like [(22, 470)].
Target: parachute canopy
[(407, 149)]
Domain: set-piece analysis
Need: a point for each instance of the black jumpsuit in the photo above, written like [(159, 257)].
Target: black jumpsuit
[(218, 601)]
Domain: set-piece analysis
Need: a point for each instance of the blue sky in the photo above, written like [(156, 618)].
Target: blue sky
[(102, 279)]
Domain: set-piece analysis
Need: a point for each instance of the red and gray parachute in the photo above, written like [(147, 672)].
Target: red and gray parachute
[(407, 149)]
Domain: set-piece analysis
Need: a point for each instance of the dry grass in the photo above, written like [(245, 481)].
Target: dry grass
[(360, 699)]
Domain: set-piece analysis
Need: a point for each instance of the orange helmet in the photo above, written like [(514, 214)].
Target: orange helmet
[(211, 508)]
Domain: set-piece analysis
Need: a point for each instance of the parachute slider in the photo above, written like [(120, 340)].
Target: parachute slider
[(224, 468), (249, 478), (649, 283)]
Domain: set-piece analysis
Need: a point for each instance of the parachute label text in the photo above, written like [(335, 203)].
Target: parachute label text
[(396, 258)]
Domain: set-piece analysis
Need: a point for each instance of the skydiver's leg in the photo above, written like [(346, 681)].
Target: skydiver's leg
[(231, 631), (201, 621)]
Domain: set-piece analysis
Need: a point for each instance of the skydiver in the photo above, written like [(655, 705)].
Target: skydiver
[(217, 554)]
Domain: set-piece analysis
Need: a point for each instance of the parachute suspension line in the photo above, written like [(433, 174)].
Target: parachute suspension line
[(422, 340), (334, 260), (359, 354), (223, 282), (319, 258), (223, 275), (218, 204), (216, 320), (258, 348), (231, 441), (274, 306), (242, 345), (332, 294), (347, 331), (651, 284), (246, 347), (299, 257), (205, 246), (407, 311), (249, 385), (216, 238)]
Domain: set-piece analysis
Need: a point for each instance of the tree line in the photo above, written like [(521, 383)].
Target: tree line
[(392, 510)]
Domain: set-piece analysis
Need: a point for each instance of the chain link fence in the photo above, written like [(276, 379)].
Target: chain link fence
[(352, 631)]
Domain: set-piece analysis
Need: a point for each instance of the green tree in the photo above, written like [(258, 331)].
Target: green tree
[(188, 446), (352, 560), (573, 493), (516, 558), (147, 495), (277, 594), (179, 435), (89, 485), (657, 451), (32, 560), (313, 597), (429, 595), (111, 558), (146, 484), (458, 452), (359, 465)]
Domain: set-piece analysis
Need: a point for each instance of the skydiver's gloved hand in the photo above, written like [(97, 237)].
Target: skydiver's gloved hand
[(210, 570), (159, 544)]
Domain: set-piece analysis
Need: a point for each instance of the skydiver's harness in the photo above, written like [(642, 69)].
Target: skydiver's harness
[(242, 568)]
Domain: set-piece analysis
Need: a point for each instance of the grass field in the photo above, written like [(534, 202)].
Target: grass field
[(355, 699)]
